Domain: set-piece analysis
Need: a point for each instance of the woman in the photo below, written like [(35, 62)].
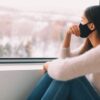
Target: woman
[(67, 79)]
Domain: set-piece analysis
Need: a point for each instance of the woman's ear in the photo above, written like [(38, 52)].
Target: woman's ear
[(91, 26)]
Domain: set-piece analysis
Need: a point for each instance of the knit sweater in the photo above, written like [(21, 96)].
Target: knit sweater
[(71, 65)]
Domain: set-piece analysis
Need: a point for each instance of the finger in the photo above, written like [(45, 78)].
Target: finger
[(45, 65), (43, 70), (72, 30), (76, 30)]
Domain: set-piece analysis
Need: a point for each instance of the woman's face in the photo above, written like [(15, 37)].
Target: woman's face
[(84, 20), (86, 27)]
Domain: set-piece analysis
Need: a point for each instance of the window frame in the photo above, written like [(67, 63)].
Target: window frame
[(24, 60)]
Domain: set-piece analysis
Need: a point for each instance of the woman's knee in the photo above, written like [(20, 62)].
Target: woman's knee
[(78, 80)]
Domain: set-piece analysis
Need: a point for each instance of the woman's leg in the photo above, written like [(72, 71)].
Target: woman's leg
[(81, 89), (40, 87), (58, 90), (76, 89)]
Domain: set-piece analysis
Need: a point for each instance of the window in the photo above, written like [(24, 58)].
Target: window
[(34, 28)]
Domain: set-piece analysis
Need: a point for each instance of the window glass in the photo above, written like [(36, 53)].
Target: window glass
[(35, 28)]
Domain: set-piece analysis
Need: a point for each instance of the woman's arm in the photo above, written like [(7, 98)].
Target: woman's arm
[(65, 47), (86, 45), (70, 68)]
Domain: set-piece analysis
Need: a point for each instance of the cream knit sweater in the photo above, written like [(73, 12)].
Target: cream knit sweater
[(71, 65)]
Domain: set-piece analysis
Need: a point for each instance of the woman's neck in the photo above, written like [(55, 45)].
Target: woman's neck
[(94, 41)]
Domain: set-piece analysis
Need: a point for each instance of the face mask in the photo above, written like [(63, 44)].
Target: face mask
[(84, 30)]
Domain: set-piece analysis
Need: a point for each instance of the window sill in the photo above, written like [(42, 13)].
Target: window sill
[(15, 67)]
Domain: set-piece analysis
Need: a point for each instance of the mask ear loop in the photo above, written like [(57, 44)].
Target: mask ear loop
[(88, 22)]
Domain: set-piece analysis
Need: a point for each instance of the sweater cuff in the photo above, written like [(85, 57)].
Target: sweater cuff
[(64, 52)]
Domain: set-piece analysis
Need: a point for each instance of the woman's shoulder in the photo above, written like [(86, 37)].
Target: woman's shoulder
[(95, 50)]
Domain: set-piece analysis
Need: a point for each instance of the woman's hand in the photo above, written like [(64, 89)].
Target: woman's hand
[(72, 29), (45, 67)]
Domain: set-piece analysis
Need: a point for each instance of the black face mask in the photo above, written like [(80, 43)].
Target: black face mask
[(84, 30)]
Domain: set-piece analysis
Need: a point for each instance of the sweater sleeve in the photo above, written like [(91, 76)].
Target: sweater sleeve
[(70, 68), (67, 52)]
